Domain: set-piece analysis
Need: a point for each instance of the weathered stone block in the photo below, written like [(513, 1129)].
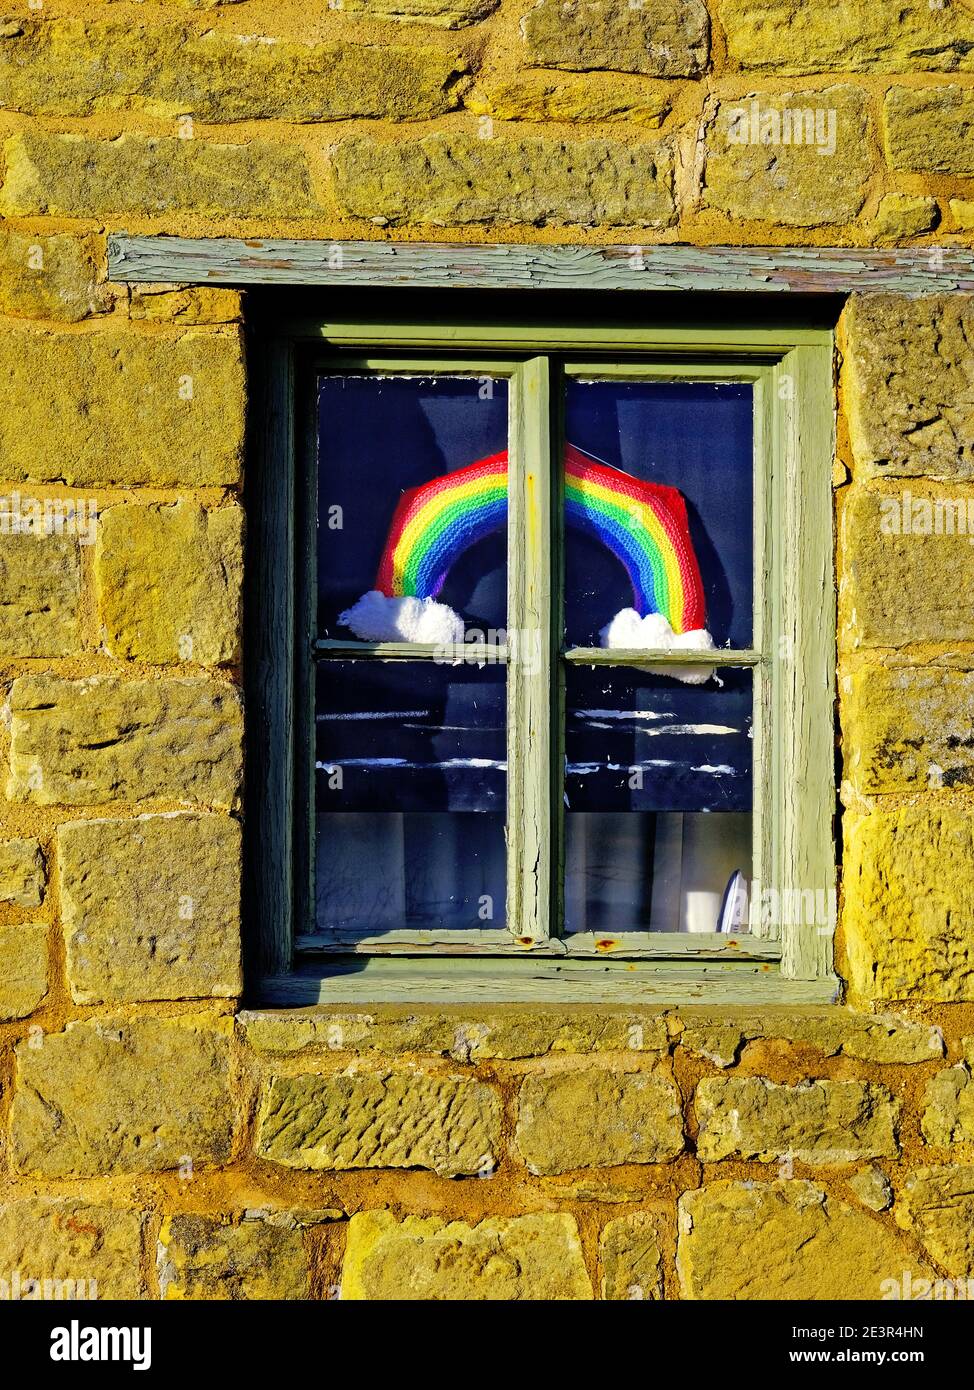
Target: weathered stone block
[(800, 159), (123, 1096), (962, 211), (502, 1259), (59, 66), (169, 581), (909, 903), (664, 38), (883, 1038), (632, 1265), (202, 1257), (930, 130), (896, 589), (909, 385), (151, 908), (122, 408), (184, 305), (812, 36), (466, 1035), (450, 1124), (937, 1205), (873, 1188), (48, 277), (62, 1248), (460, 179), (542, 97), (93, 741), (22, 873), (598, 1118), (825, 1122), (23, 969), (443, 14), (78, 176), (949, 1114), (905, 215), (40, 586), (783, 1240), (907, 728)]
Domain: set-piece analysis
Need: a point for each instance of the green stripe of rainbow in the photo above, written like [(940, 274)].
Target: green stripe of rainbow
[(643, 524)]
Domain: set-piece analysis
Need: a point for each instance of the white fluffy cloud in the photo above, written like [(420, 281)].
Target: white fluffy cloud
[(378, 618), (653, 633)]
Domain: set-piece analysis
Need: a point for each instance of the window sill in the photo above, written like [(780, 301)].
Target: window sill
[(660, 984)]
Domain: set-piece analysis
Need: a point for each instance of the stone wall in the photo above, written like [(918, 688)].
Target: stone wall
[(154, 1138)]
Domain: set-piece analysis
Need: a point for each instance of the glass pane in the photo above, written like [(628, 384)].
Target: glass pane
[(658, 513), (410, 790), (658, 801), (412, 506)]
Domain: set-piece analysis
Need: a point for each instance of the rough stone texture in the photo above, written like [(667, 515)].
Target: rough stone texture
[(962, 211), (477, 1035), (123, 1096), (597, 1119), (826, 1122), (811, 36), (542, 97), (151, 908), (40, 585), (784, 1241), (882, 1038), (461, 179), (48, 277), (23, 969), (789, 183), (632, 1265), (22, 873), (905, 215), (873, 1188), (450, 1124), (501, 1259), (909, 378), (664, 38), (93, 741), (444, 14), (909, 902), (169, 581), (937, 1205), (122, 407), (190, 304), (58, 67), (202, 1257), (908, 728), (74, 1249), (898, 590), (77, 176), (930, 130), (949, 1114)]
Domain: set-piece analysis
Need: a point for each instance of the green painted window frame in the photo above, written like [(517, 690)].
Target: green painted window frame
[(792, 656)]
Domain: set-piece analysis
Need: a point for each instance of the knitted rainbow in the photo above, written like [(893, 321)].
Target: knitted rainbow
[(643, 524), (434, 523)]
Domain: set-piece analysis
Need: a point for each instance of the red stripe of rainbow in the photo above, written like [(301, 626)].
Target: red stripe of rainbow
[(643, 524)]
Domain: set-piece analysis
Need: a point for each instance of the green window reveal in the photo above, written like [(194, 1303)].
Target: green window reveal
[(544, 704)]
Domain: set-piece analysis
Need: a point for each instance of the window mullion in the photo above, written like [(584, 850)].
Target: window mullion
[(531, 730)]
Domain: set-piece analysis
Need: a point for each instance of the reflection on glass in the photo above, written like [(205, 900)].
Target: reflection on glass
[(412, 504), (410, 786), (658, 802)]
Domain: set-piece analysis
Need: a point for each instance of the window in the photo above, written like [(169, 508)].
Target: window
[(546, 697)]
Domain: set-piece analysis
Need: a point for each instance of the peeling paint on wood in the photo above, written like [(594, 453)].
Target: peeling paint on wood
[(804, 269)]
